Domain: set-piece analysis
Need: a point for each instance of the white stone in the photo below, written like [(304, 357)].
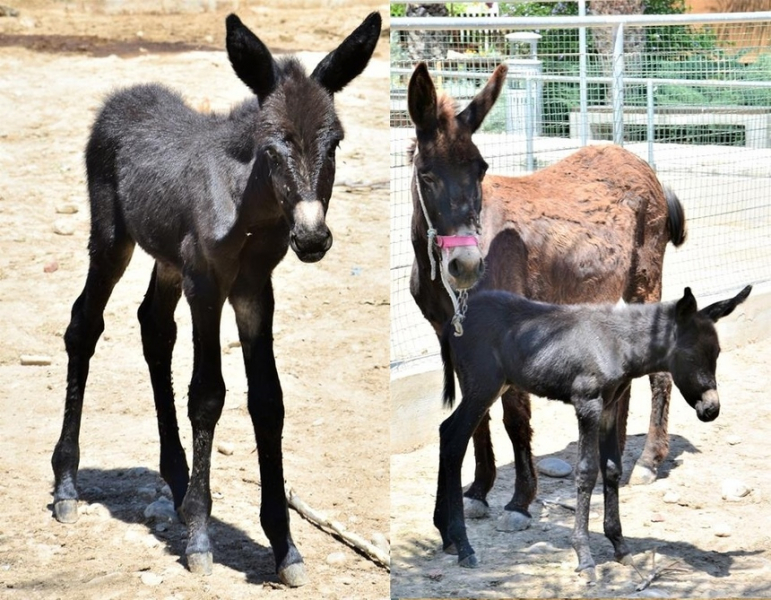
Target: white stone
[(733, 440), (671, 498), (734, 490), (66, 208), (151, 579), (722, 530), (62, 227), (225, 448), (554, 467), (337, 559), (540, 548)]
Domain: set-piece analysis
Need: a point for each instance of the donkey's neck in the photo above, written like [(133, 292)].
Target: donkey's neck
[(430, 296), (647, 335)]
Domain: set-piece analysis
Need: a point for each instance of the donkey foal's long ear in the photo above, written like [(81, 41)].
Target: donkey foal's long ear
[(477, 110), (686, 306), (724, 308), (348, 60), (251, 59), (421, 99)]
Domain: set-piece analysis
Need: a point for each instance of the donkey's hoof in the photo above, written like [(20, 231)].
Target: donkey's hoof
[(625, 559), (294, 575), (66, 511), (451, 549), (511, 520), (588, 574), (200, 563), (475, 509), (470, 562), (642, 475)]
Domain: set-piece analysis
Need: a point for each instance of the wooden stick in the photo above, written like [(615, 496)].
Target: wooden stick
[(321, 521)]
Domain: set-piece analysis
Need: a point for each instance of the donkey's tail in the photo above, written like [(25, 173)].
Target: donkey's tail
[(675, 218), (448, 394)]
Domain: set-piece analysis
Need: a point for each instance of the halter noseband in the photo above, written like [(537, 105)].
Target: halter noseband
[(444, 242)]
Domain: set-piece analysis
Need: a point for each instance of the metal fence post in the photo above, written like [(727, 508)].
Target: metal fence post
[(583, 118), (618, 86), (651, 131)]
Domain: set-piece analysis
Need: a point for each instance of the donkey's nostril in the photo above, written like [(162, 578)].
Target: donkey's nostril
[(453, 267)]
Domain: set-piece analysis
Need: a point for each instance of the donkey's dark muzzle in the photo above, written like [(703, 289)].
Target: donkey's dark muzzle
[(708, 408), (311, 247)]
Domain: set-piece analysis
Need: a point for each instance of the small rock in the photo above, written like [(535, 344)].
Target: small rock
[(380, 541), (657, 518), (671, 498), (161, 510), (722, 530), (594, 515), (151, 579), (337, 559), (34, 360), (234, 344), (733, 490), (225, 448), (96, 510), (137, 472), (161, 527), (554, 467), (540, 548), (147, 493), (732, 440), (209, 39), (51, 267), (62, 227), (66, 208)]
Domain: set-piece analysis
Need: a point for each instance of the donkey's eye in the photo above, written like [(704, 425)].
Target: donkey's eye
[(272, 155), (428, 179)]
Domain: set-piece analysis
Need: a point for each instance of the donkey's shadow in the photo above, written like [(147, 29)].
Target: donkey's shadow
[(120, 491)]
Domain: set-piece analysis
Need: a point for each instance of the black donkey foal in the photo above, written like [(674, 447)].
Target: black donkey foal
[(585, 355), (216, 200)]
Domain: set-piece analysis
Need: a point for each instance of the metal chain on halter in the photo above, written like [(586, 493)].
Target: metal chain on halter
[(458, 303)]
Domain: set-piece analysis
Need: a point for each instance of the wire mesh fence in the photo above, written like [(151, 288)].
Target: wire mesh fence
[(693, 99)]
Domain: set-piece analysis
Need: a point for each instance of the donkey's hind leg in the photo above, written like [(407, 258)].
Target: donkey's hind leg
[(516, 419), (657, 441), (110, 254), (159, 333)]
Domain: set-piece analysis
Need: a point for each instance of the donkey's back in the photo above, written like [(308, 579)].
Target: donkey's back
[(595, 226), (153, 159)]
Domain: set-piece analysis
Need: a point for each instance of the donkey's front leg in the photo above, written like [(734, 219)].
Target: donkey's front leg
[(610, 466), (588, 411), (254, 315), (206, 398)]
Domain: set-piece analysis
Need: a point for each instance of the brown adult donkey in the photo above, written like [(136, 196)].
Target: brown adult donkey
[(591, 228)]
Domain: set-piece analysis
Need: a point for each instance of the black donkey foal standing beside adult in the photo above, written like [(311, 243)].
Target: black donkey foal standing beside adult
[(216, 200), (586, 355)]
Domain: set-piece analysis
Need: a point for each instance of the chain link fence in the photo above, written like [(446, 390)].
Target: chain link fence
[(691, 94)]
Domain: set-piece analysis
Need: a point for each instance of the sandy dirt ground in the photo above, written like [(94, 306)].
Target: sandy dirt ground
[(57, 62), (704, 545)]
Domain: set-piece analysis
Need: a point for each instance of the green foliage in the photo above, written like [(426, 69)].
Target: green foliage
[(398, 10)]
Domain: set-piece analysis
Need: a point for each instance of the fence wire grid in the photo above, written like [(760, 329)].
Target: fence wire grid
[(693, 100)]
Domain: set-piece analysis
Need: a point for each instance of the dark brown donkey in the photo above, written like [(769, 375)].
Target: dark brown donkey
[(591, 228)]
